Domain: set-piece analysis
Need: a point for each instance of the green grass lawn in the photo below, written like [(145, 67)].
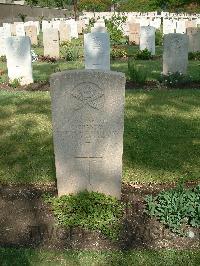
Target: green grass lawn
[(161, 138), (19, 257)]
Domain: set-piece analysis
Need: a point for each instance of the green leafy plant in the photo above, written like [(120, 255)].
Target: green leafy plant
[(135, 73), (22, 17), (159, 37), (194, 56), (118, 53), (15, 83), (114, 27), (143, 55), (174, 79), (3, 58), (176, 207), (89, 210), (69, 51)]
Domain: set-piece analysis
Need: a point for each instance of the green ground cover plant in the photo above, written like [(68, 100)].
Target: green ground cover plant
[(89, 210)]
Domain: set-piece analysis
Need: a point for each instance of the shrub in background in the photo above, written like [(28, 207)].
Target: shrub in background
[(118, 53), (174, 79), (135, 73), (3, 58), (69, 51), (15, 83), (143, 55), (114, 27), (194, 56), (159, 37)]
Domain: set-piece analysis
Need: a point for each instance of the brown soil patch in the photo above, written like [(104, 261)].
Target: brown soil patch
[(26, 221), (148, 85)]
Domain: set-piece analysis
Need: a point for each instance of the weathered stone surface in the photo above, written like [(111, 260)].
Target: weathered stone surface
[(175, 55), (87, 109), (31, 32), (194, 39), (19, 63), (65, 32), (97, 50), (98, 29), (73, 28), (190, 24), (147, 39), (20, 29), (51, 42), (3, 36), (134, 33)]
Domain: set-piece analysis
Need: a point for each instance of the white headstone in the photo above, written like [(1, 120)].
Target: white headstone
[(147, 39), (20, 31), (19, 61), (175, 55), (88, 122), (51, 42), (4, 33), (97, 51), (74, 28)]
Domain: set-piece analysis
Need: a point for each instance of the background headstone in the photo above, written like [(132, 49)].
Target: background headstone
[(194, 39), (147, 39), (19, 61), (64, 32), (20, 29), (97, 51), (88, 118), (31, 32), (134, 33), (175, 55), (51, 42)]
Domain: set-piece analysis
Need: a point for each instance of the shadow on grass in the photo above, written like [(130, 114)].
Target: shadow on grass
[(162, 136), (26, 138)]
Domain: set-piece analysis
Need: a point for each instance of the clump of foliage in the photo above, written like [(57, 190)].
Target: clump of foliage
[(159, 37), (69, 51), (90, 211), (194, 56), (176, 208), (15, 83), (174, 79), (22, 17), (143, 55), (114, 27), (118, 53), (135, 73), (47, 59), (3, 58)]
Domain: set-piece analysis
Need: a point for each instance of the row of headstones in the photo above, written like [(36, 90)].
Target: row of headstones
[(162, 14), (96, 53), (145, 37), (67, 29)]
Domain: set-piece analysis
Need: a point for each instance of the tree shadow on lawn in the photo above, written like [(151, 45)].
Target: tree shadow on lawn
[(26, 138), (162, 136)]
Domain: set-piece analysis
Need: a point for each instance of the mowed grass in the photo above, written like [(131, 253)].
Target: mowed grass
[(18, 257), (161, 138)]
